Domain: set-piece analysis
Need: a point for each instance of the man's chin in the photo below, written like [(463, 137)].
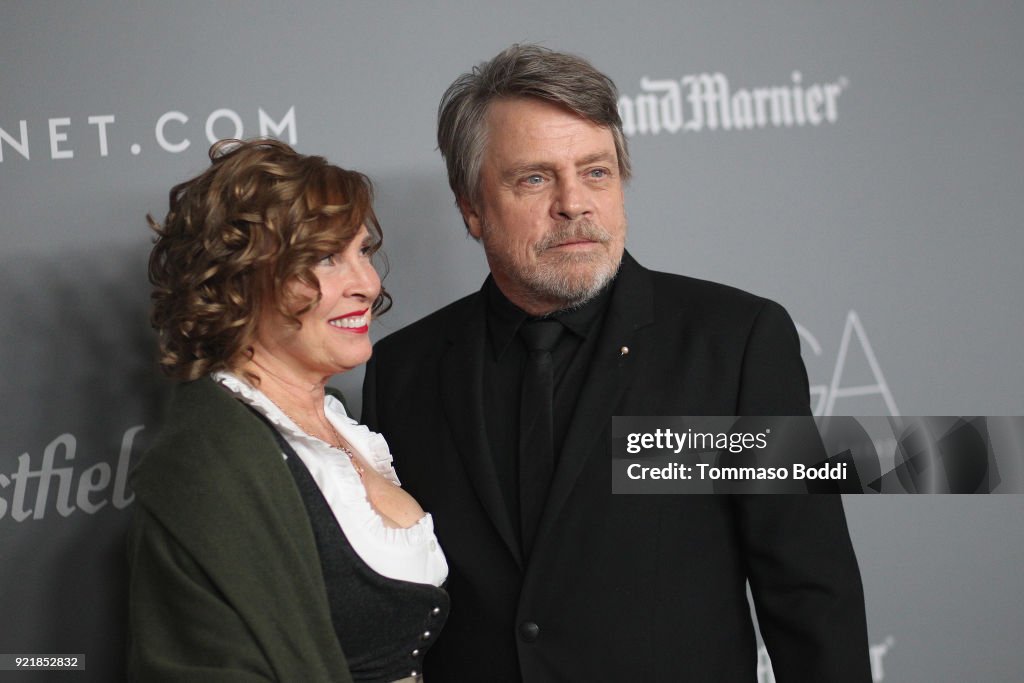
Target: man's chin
[(575, 288)]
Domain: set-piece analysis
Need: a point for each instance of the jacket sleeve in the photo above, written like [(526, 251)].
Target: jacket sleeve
[(803, 573), (182, 630), (806, 587), (773, 380)]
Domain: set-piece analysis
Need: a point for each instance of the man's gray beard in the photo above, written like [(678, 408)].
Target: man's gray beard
[(554, 282)]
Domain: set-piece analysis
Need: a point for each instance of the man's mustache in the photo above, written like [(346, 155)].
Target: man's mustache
[(574, 231)]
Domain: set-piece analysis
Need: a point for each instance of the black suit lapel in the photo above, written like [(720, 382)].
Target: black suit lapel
[(462, 393), (630, 309)]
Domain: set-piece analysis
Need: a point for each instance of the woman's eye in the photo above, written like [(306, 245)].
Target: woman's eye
[(326, 260)]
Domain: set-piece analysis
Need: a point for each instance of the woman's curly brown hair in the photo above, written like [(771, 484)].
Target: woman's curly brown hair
[(258, 219)]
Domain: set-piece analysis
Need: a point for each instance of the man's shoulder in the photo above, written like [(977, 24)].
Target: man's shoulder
[(695, 296), (685, 285)]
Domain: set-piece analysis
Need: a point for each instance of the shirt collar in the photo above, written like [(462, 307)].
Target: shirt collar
[(504, 317)]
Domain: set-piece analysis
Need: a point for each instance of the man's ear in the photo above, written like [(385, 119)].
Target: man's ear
[(471, 218)]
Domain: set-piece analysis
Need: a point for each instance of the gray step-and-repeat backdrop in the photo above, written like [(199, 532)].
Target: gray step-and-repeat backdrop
[(883, 209)]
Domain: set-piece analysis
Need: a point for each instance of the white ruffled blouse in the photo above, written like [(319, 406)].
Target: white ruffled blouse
[(411, 554)]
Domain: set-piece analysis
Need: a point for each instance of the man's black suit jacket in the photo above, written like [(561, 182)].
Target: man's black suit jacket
[(623, 587)]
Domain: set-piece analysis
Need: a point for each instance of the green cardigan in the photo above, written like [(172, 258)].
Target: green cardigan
[(225, 578)]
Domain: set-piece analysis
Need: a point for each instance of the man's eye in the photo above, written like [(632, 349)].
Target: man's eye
[(598, 173), (533, 179)]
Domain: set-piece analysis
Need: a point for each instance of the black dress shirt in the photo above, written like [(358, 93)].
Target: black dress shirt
[(504, 360)]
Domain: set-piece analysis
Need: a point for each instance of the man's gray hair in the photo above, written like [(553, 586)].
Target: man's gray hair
[(520, 71)]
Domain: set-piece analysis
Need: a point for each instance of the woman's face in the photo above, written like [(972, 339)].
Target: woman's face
[(334, 336)]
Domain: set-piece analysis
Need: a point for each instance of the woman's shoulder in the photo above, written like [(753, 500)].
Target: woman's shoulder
[(206, 435)]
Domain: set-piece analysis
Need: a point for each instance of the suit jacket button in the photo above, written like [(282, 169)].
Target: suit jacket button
[(529, 631)]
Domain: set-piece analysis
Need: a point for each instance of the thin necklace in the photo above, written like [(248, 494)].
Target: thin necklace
[(338, 444)]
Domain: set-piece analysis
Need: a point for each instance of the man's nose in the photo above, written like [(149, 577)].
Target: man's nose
[(571, 200)]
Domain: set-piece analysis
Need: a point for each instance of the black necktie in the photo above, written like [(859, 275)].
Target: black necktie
[(536, 425)]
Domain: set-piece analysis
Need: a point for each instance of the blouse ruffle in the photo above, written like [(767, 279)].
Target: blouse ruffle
[(409, 554)]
